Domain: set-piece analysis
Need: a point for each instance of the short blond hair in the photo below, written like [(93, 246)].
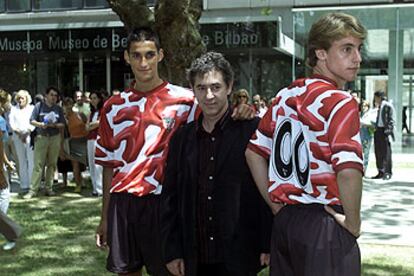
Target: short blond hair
[(23, 94), (329, 28)]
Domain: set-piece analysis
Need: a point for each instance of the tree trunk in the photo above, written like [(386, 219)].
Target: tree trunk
[(133, 13), (176, 22)]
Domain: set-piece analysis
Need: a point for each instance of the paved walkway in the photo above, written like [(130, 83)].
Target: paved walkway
[(388, 206)]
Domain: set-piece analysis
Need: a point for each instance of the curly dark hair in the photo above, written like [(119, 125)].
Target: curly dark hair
[(208, 62)]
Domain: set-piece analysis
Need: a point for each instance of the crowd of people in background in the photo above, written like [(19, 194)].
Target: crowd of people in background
[(40, 139), (259, 103)]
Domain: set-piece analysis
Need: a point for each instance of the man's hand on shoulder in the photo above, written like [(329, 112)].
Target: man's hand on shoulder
[(243, 112), (176, 267), (264, 259)]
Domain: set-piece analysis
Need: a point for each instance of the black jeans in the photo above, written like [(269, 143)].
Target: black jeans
[(382, 151)]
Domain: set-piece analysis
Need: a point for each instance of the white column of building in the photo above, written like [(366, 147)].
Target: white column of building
[(81, 81), (395, 81), (108, 72)]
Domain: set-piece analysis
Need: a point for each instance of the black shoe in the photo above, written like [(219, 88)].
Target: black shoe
[(387, 176), (23, 192), (50, 193), (378, 176)]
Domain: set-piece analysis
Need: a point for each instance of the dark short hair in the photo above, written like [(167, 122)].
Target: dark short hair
[(208, 62), (380, 94), (68, 101), (50, 88), (38, 98), (143, 34)]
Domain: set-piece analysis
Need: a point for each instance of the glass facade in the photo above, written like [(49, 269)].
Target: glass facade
[(70, 59), (17, 5), (46, 5), (14, 6), (388, 55), (96, 4)]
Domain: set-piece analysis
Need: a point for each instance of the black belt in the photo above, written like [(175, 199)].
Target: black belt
[(48, 134)]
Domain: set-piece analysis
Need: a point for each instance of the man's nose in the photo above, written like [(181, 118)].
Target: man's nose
[(358, 56), (210, 93), (144, 62)]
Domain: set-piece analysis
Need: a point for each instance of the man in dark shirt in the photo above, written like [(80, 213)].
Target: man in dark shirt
[(48, 119), (213, 221)]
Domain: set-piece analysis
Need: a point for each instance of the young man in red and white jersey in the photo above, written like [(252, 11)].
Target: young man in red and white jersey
[(306, 158), (132, 145)]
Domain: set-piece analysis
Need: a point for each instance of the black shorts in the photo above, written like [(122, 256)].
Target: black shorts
[(133, 234), (306, 240)]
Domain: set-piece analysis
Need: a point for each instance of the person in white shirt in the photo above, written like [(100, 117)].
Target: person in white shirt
[(20, 124), (259, 107), (368, 117)]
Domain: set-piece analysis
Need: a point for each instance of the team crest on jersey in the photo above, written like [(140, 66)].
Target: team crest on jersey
[(168, 123)]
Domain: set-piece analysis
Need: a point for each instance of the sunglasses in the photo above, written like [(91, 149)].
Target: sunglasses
[(242, 96)]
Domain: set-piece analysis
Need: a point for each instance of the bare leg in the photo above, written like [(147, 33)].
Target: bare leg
[(77, 176)]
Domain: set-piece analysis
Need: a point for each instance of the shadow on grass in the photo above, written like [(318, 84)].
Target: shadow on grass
[(380, 267), (58, 237), (386, 208)]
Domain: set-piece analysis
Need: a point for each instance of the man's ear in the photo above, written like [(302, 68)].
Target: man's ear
[(321, 54), (160, 55), (126, 57)]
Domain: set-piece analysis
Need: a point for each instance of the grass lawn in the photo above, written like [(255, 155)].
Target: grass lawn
[(58, 239)]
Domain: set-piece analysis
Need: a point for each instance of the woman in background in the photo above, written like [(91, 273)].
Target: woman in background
[(19, 119), (96, 101), (76, 123), (368, 118), (240, 97)]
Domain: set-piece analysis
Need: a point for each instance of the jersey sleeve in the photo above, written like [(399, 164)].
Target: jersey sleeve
[(343, 135), (105, 142), (261, 140)]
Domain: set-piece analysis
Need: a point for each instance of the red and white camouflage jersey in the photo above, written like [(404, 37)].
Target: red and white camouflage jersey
[(134, 133), (310, 133)]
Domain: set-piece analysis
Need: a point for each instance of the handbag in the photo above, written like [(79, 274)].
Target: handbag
[(33, 133), (32, 138)]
